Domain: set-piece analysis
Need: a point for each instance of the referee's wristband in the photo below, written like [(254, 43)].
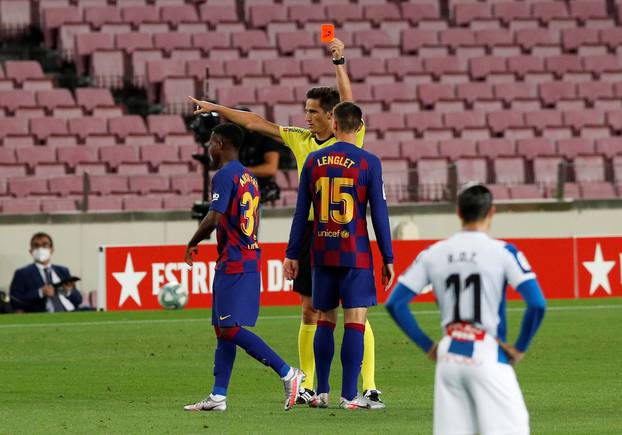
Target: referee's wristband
[(340, 61)]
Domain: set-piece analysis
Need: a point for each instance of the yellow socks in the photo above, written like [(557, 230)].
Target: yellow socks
[(305, 353), (369, 359), (307, 359)]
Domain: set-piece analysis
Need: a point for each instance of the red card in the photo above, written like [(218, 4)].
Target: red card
[(327, 33)]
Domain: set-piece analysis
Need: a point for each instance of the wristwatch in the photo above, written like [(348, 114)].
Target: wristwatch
[(340, 61)]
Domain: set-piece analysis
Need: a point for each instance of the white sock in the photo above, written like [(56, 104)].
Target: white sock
[(289, 375), (218, 397)]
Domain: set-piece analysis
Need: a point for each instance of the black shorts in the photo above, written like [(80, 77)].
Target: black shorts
[(302, 284)]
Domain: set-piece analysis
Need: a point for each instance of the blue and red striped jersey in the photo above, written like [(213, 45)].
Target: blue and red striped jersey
[(340, 181), (235, 194)]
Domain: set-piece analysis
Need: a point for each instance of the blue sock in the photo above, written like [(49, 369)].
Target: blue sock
[(258, 349), (224, 357), (351, 358), (324, 349)]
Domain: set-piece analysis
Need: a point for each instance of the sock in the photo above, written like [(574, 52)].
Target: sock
[(258, 349), (306, 335), (368, 369), (289, 375), (224, 357), (218, 397), (351, 358), (324, 349)]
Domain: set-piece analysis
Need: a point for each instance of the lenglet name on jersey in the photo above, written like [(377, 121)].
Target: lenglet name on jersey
[(335, 160), (248, 178)]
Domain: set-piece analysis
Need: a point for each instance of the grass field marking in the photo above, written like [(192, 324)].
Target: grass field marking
[(287, 316)]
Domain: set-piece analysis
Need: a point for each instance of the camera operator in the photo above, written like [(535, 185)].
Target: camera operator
[(260, 154)]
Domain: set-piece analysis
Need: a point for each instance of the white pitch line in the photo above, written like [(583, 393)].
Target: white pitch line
[(207, 318)]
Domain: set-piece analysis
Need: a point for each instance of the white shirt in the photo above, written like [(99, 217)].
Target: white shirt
[(55, 280), (469, 273)]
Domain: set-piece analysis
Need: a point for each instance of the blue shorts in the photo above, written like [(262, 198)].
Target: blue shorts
[(354, 287), (236, 299)]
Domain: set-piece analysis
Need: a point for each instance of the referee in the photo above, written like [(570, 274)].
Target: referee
[(303, 141)]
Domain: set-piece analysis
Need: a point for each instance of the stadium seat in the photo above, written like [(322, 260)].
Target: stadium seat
[(571, 148), (175, 91), (32, 156), (261, 15), (433, 177), (107, 68), (73, 155), (21, 70), (609, 147), (531, 148), (186, 184), (542, 119), (525, 191), (552, 92), (51, 99), (135, 15), (126, 125), (44, 127), (589, 169), (177, 14), (220, 13), (66, 185), (509, 170), (456, 148), (546, 170), (396, 177), (493, 148), (601, 190), (424, 120), (471, 170), (89, 98), (158, 70), (416, 149), (384, 149), (500, 122), (417, 12), (13, 127)]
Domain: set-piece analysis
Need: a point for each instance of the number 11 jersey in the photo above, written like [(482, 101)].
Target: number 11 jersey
[(469, 273), (235, 194), (339, 181)]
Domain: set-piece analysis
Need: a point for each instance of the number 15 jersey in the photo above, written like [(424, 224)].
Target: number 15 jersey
[(340, 180), (469, 273), (235, 194)]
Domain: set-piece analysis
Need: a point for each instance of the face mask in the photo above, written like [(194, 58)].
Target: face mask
[(41, 255)]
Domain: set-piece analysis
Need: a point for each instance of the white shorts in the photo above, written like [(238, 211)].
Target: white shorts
[(476, 394)]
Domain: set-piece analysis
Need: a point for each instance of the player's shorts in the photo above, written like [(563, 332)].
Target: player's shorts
[(475, 389), (236, 299), (354, 287), (302, 283)]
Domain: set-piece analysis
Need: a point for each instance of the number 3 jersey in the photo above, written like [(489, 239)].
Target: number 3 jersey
[(235, 194), (339, 181), (469, 273)]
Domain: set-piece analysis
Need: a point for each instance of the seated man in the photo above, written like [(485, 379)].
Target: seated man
[(35, 288)]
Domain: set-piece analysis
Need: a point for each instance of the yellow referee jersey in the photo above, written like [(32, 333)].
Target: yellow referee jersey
[(302, 143)]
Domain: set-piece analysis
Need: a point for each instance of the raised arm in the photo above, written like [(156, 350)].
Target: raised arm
[(248, 120), (337, 49)]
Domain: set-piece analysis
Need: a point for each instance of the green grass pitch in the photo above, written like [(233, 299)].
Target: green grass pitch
[(132, 372)]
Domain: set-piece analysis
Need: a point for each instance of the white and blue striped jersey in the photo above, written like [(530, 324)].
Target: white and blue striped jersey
[(469, 273)]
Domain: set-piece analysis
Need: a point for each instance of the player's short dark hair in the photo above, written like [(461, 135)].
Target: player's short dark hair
[(348, 116), (41, 235), (474, 203), (230, 134), (329, 97)]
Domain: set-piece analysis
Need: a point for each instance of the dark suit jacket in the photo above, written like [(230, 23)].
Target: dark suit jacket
[(26, 284)]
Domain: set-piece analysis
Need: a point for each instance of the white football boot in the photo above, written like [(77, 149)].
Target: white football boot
[(373, 399), (319, 401), (291, 387), (357, 403), (208, 404)]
